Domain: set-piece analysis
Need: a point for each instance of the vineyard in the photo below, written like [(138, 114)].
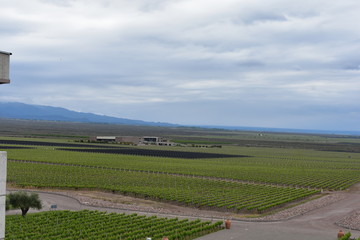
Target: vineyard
[(88, 225), (189, 191), (231, 178)]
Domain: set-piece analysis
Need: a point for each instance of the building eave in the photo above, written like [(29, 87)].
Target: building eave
[(6, 53)]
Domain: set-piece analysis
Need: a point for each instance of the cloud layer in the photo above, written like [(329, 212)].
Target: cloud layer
[(248, 63)]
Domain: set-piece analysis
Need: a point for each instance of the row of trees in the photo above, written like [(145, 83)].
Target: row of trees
[(24, 201)]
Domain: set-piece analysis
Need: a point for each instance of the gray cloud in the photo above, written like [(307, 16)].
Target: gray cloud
[(267, 63)]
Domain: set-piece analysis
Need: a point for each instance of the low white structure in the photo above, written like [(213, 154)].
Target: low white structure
[(147, 140), (3, 161)]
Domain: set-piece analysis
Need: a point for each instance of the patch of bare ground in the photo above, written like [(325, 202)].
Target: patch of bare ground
[(303, 208), (128, 203), (352, 221), (355, 188), (103, 199), (111, 200)]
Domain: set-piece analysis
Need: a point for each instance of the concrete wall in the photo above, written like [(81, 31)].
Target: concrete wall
[(4, 67), (3, 163)]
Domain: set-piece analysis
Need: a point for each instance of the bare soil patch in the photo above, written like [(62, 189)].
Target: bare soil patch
[(117, 201)]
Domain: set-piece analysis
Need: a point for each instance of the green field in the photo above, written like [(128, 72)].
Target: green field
[(266, 171), (99, 225), (305, 168), (268, 178)]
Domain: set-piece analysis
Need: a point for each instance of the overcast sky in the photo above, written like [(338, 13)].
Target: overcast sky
[(265, 63)]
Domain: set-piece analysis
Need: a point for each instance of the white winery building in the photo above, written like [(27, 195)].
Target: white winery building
[(2, 193), (4, 78)]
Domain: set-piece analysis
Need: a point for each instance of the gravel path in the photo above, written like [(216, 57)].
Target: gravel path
[(109, 200), (350, 222), (312, 220), (304, 208)]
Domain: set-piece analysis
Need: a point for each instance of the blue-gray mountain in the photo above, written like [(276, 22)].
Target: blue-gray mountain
[(38, 112)]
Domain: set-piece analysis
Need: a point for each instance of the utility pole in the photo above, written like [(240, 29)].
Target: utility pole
[(4, 78)]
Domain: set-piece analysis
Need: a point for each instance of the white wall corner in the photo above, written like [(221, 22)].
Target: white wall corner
[(3, 172)]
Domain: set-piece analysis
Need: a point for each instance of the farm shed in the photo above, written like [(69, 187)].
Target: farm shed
[(146, 140), (116, 139), (4, 67), (156, 141)]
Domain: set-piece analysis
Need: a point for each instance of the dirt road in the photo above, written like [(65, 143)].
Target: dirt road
[(318, 224)]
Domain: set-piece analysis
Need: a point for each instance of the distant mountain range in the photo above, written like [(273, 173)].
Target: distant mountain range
[(15, 110), (285, 130), (38, 112)]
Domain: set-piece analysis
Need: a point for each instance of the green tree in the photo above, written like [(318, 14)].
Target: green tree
[(24, 201), (7, 203)]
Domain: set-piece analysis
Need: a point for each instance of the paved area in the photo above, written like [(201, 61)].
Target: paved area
[(318, 224)]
